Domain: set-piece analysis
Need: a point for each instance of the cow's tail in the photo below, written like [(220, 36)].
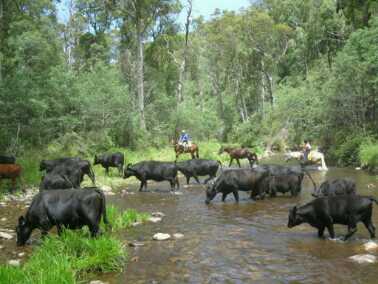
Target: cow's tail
[(312, 180), (103, 208)]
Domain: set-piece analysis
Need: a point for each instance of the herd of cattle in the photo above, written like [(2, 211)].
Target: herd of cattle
[(62, 203)]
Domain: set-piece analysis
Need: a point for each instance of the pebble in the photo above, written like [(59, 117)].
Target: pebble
[(178, 236), (136, 244), (14, 262), (6, 236), (97, 282), (364, 258), (370, 245), (154, 219), (177, 193), (1, 247), (157, 214), (358, 169), (161, 237), (136, 224), (21, 254), (3, 204), (3, 219)]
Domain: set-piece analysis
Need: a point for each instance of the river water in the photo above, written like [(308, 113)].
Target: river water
[(227, 242)]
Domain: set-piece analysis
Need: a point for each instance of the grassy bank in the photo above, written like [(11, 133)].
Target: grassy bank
[(74, 256)]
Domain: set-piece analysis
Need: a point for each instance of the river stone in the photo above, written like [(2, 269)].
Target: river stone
[(21, 254), (106, 188), (136, 244), (157, 214), (370, 245), (97, 282), (364, 258), (6, 236), (3, 219), (136, 224), (154, 219), (178, 236), (161, 237), (14, 262), (1, 247)]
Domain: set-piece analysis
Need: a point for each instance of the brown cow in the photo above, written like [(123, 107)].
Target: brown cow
[(239, 153), (10, 171)]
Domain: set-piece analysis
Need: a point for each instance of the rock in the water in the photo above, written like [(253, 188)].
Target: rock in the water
[(177, 193), (161, 237), (136, 244), (136, 224), (3, 219), (157, 214), (98, 282), (106, 188), (178, 236), (6, 236), (154, 219), (370, 245), (21, 254), (14, 262), (358, 169), (364, 258), (1, 247)]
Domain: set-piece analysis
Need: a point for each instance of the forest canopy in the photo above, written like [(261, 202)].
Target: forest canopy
[(129, 73)]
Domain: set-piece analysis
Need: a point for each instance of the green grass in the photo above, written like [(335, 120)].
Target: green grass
[(73, 256), (123, 220)]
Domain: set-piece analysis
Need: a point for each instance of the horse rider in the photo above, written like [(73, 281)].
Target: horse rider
[(184, 139), (306, 150)]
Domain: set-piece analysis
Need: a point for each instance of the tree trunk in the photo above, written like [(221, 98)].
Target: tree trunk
[(140, 63)]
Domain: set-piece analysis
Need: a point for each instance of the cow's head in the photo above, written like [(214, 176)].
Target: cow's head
[(86, 168), (210, 191), (128, 172), (294, 218), (23, 230)]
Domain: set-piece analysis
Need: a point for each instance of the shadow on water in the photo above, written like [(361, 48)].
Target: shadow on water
[(247, 242)]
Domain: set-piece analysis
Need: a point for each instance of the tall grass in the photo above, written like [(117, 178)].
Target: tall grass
[(123, 220)]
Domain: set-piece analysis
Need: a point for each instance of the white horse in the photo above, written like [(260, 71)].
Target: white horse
[(314, 157)]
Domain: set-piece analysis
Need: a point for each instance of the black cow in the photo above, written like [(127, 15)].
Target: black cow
[(71, 209), (198, 167), (336, 187), (233, 180), (57, 181), (153, 170), (65, 173), (110, 160), (49, 165), (6, 159), (281, 179), (323, 212)]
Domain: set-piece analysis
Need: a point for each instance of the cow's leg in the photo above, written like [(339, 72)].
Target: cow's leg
[(13, 189), (331, 230), (172, 183), (141, 185), (231, 160), (237, 160), (94, 229), (192, 154), (369, 225), (236, 195), (224, 195), (321, 231), (177, 183), (107, 171), (352, 228), (250, 162), (187, 179), (209, 178), (120, 169), (59, 228), (197, 180)]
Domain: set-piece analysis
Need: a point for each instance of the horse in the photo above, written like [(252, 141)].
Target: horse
[(10, 171), (239, 153), (180, 149), (314, 157)]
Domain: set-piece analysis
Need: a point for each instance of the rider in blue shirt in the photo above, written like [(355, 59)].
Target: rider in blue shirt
[(184, 138)]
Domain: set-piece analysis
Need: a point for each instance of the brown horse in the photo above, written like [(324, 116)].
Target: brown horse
[(10, 171), (239, 153), (180, 149)]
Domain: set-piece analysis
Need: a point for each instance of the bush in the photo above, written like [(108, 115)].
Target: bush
[(368, 154), (347, 152)]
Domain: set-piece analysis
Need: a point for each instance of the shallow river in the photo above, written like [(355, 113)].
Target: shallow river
[(247, 242)]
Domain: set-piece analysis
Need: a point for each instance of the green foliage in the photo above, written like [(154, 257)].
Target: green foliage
[(368, 155), (123, 220), (347, 151)]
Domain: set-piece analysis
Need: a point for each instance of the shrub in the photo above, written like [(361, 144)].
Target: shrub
[(368, 154)]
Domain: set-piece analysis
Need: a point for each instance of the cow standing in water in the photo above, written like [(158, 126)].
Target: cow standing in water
[(239, 153)]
